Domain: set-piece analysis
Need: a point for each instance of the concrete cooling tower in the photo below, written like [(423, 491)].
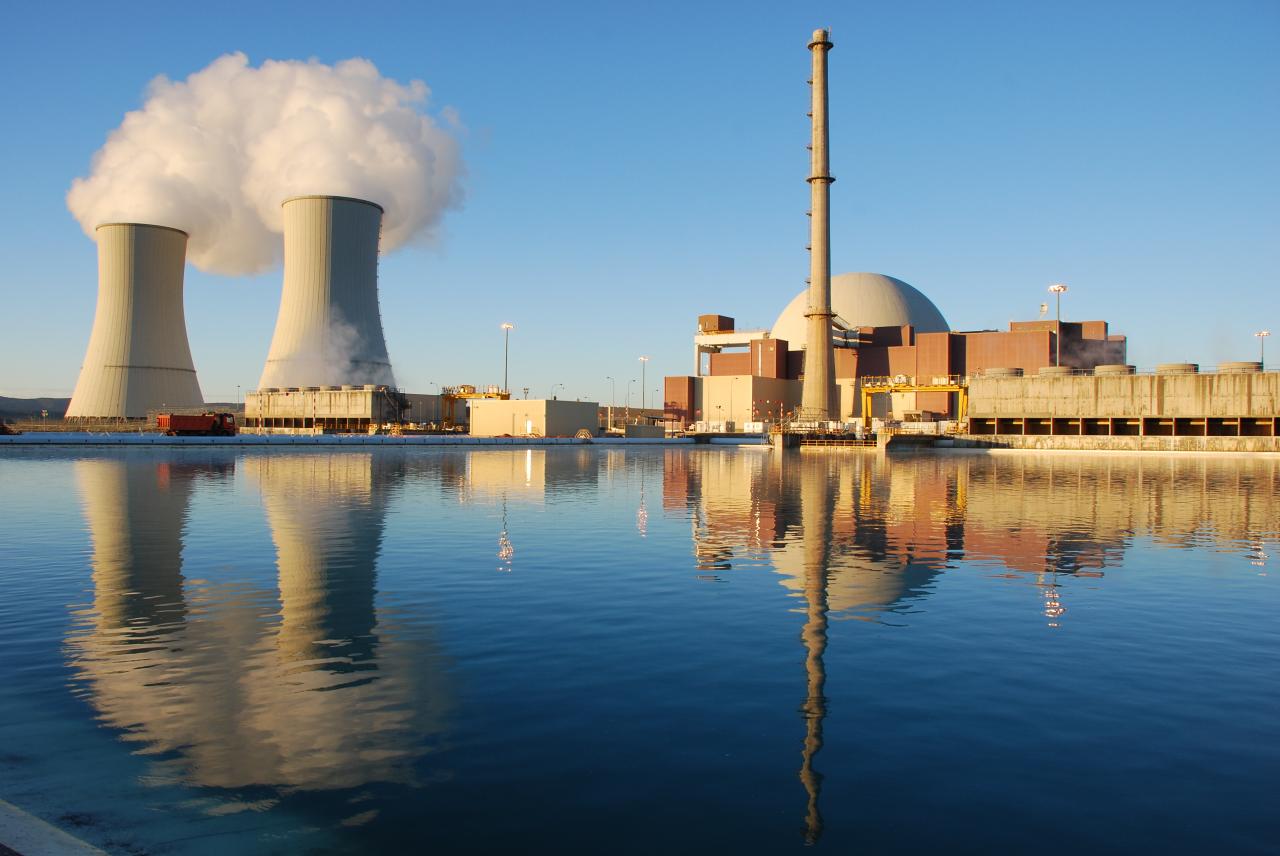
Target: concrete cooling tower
[(329, 331), (138, 357)]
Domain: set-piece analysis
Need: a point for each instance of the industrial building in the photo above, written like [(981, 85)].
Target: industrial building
[(346, 409), (881, 327), (138, 358), (540, 417), (1239, 401)]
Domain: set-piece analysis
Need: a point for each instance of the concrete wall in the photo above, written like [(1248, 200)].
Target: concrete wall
[(1190, 396), (730, 364), (542, 417), (311, 404), (1125, 444)]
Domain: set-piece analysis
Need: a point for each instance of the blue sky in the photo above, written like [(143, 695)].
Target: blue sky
[(630, 166)]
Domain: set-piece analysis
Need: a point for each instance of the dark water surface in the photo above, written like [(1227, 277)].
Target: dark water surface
[(640, 651)]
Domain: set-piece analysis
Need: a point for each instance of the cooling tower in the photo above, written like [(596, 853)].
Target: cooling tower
[(138, 357), (329, 331)]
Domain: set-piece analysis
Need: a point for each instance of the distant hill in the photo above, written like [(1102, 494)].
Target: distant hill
[(29, 408)]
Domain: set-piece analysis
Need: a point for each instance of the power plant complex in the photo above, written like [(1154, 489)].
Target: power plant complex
[(846, 350)]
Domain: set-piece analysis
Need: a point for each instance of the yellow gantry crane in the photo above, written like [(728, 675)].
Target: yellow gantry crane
[(450, 394), (905, 383)]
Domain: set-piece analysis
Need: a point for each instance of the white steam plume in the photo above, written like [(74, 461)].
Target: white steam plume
[(216, 154)]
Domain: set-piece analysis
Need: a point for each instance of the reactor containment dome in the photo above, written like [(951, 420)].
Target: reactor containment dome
[(329, 330), (864, 300), (138, 357)]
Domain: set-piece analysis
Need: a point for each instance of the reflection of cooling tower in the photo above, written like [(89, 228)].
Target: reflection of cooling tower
[(136, 511), (329, 331), (326, 514), (138, 357), (226, 685)]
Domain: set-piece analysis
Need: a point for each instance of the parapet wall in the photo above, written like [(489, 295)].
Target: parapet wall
[(1189, 396)]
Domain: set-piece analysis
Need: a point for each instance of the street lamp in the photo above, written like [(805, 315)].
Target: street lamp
[(613, 397), (1262, 347), (553, 389), (644, 362), (507, 327), (629, 382), (1057, 290)]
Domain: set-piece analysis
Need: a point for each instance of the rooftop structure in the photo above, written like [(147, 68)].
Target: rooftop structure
[(864, 300)]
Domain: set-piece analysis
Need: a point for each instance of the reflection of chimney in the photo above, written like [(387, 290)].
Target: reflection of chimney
[(138, 357), (329, 330), (819, 359), (815, 517)]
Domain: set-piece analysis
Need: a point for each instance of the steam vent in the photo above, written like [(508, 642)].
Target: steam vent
[(138, 357), (329, 330)]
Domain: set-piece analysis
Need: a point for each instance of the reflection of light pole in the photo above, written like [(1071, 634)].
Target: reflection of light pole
[(1262, 347), (1057, 289), (507, 327), (644, 362)]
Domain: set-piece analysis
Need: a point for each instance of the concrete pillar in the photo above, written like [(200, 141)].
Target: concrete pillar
[(819, 359)]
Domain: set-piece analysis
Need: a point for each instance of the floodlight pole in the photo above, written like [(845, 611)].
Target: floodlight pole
[(1057, 289)]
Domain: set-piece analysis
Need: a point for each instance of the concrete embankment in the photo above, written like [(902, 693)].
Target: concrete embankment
[(1233, 445), (52, 438), (27, 835)]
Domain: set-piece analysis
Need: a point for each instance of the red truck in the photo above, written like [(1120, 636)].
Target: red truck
[(204, 425)]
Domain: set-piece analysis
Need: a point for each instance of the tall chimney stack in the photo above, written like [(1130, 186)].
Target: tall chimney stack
[(819, 393)]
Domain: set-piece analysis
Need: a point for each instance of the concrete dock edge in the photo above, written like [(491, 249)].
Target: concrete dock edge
[(28, 835)]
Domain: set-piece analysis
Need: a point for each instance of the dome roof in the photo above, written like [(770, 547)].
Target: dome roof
[(864, 300)]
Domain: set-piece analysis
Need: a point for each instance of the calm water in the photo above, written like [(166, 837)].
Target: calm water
[(576, 650)]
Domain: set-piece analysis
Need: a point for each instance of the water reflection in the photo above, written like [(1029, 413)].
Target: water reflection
[(305, 682), (228, 685), (864, 537), (894, 527)]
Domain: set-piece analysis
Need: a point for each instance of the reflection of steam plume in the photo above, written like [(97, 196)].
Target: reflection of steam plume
[(221, 691), (215, 154)]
